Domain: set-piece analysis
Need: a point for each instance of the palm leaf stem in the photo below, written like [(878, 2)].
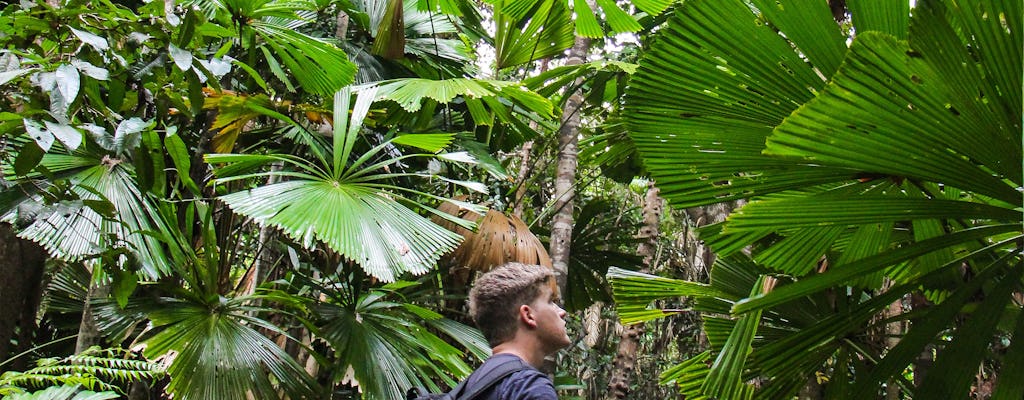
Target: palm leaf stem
[(351, 173), (266, 174)]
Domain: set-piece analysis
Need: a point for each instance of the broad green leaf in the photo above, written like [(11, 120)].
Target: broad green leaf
[(799, 253), (180, 157), (89, 70), (72, 233), (617, 19), (689, 375), (726, 379), (68, 82), (28, 157), (182, 58), (888, 17), (547, 32), (365, 225), (816, 211), (431, 142), (97, 42), (220, 354), (68, 135), (885, 123), (459, 156), (586, 21), (7, 76), (703, 143), (320, 67), (42, 137)]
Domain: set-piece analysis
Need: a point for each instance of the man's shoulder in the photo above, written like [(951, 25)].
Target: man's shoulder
[(528, 384)]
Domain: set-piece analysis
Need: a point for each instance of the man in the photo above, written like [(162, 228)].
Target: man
[(516, 307)]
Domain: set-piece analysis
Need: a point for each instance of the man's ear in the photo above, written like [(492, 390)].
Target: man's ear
[(526, 316)]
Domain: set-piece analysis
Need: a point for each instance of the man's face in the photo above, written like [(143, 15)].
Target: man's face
[(550, 322)]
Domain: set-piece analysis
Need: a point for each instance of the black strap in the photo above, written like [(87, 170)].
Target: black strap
[(490, 374)]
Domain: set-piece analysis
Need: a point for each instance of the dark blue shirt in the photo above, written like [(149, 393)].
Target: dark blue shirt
[(528, 384)]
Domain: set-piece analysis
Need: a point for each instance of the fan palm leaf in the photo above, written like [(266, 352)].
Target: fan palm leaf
[(319, 66), (104, 208), (895, 156), (383, 341), (545, 31), (348, 203)]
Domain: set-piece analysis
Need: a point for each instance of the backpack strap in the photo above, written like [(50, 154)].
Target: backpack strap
[(490, 374)]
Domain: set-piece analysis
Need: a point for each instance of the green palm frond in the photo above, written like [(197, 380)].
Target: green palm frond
[(386, 345), (65, 392), (93, 369), (410, 94), (545, 30), (634, 291), (220, 354), (349, 204), (597, 244), (614, 18), (101, 208), (321, 67), (897, 156)]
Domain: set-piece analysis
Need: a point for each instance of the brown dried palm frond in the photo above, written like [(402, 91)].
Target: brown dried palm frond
[(498, 239)]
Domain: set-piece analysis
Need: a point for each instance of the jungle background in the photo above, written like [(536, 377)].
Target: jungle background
[(257, 199)]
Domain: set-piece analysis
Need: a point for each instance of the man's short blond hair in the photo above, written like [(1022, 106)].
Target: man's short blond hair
[(496, 296)]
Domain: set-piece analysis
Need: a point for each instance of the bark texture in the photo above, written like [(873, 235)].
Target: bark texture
[(21, 266), (88, 332), (629, 342), (565, 172)]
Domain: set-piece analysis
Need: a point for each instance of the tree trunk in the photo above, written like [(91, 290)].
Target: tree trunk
[(524, 163), (893, 332), (565, 175), (629, 341), (524, 173), (22, 264), (88, 333)]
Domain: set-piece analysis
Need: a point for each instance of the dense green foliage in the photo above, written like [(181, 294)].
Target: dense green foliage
[(885, 169), (246, 191)]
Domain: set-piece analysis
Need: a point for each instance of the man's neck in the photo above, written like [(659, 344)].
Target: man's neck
[(534, 358)]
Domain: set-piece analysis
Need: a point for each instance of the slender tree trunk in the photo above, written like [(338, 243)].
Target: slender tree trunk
[(525, 162), (565, 175), (88, 333), (524, 173), (893, 332), (629, 341), (22, 264)]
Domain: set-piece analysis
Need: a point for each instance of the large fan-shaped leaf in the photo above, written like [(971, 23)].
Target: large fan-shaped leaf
[(896, 106), (220, 355), (387, 347), (703, 143), (349, 204), (920, 138), (364, 224), (634, 291), (319, 66), (74, 229), (547, 32), (410, 93)]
